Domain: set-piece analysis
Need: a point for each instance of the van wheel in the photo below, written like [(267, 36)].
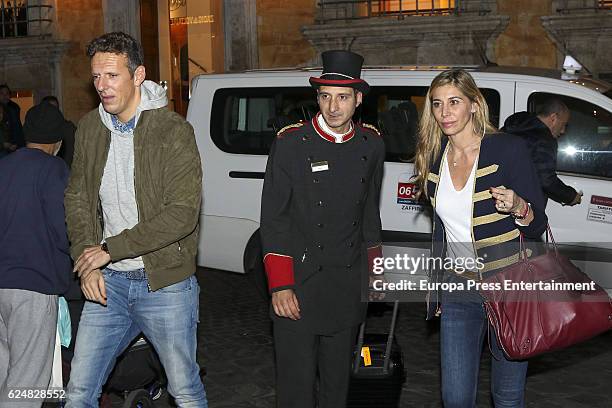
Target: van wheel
[(254, 267)]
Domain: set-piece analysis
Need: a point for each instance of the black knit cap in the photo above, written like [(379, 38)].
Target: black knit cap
[(45, 124), (341, 68)]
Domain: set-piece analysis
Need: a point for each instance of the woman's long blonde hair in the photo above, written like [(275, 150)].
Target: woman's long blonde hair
[(430, 135)]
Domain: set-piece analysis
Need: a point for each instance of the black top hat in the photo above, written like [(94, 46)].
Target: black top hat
[(341, 68)]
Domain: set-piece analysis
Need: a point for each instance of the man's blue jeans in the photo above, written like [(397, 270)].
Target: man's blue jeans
[(462, 332), (168, 318)]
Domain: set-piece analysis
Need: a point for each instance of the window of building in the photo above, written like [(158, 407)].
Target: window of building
[(13, 18), (245, 120), (412, 6), (586, 146)]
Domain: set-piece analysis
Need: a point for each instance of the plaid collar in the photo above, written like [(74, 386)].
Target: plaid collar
[(123, 127)]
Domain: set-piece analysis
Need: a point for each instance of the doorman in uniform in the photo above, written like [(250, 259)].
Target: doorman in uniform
[(321, 230)]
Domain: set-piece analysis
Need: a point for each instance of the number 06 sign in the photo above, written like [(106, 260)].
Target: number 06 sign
[(406, 194)]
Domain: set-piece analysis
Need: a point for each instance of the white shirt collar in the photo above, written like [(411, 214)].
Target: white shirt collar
[(337, 136)]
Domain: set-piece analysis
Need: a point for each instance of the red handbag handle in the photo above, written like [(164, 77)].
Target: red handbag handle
[(522, 250), (549, 233)]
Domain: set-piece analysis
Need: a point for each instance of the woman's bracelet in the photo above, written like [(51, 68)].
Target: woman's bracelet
[(525, 212)]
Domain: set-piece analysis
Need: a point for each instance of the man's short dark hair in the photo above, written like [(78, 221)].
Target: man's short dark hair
[(550, 106), (52, 99), (118, 43), (5, 86)]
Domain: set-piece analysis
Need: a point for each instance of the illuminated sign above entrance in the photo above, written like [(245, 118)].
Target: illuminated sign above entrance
[(193, 20)]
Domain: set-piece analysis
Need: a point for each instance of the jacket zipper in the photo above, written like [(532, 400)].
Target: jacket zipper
[(136, 194), (99, 213)]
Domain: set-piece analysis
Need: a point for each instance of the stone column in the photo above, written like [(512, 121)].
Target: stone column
[(240, 22), (122, 15)]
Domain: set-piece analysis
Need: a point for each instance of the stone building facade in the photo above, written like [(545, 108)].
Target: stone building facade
[(248, 34), (32, 62), (583, 28), (274, 33), (517, 32)]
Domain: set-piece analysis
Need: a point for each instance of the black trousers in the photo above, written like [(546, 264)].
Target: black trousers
[(301, 356)]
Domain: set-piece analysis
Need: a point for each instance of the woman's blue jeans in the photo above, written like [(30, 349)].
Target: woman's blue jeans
[(462, 333)]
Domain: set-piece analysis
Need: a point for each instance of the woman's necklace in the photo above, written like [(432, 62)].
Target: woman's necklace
[(465, 149)]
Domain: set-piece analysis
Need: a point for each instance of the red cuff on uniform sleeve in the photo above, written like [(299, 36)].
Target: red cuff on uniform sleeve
[(279, 269), (373, 252)]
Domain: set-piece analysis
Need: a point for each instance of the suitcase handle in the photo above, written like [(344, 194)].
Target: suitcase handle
[(361, 336)]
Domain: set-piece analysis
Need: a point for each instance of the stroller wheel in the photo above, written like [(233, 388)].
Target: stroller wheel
[(138, 399)]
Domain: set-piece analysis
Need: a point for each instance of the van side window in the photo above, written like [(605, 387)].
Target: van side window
[(245, 120), (586, 146), (396, 110)]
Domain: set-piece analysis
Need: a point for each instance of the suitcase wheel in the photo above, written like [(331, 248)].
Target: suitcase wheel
[(138, 399)]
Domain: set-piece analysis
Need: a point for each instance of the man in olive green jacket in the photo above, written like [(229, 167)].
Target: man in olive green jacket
[(132, 209)]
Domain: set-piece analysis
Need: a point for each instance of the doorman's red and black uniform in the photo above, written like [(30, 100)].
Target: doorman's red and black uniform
[(320, 222)]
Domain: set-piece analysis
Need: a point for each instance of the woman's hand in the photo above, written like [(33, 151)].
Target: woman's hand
[(507, 201)]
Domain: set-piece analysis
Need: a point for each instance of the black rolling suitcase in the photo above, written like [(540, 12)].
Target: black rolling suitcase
[(378, 385)]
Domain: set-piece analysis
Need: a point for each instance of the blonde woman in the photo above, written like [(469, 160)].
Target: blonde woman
[(485, 192)]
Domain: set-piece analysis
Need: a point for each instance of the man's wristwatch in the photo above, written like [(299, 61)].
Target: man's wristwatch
[(104, 247)]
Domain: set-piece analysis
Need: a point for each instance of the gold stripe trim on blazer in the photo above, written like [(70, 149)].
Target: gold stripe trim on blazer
[(487, 219), (433, 201), (497, 239), (487, 170), (503, 262), (483, 195), (433, 178)]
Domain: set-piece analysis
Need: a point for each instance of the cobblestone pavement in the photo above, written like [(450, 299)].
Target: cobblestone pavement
[(235, 345)]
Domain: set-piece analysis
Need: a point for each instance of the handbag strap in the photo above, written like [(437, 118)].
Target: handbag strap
[(552, 239), (523, 256), (548, 235)]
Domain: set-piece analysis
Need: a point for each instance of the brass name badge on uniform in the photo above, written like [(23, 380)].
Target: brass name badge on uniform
[(319, 166)]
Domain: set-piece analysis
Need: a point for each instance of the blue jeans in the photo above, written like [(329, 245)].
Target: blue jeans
[(462, 332), (168, 318)]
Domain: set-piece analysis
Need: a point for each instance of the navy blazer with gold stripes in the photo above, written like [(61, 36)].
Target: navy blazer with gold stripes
[(504, 161)]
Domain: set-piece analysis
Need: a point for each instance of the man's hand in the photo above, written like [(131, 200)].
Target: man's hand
[(91, 259), (285, 304), (93, 287), (577, 199)]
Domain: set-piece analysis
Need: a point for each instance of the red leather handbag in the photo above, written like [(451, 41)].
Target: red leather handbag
[(531, 322)]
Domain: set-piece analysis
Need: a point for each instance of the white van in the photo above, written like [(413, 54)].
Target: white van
[(236, 117)]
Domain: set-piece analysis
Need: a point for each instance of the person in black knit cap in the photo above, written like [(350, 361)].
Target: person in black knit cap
[(34, 262)]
